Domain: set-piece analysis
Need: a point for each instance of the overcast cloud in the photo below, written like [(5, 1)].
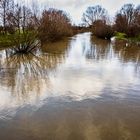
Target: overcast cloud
[(76, 7)]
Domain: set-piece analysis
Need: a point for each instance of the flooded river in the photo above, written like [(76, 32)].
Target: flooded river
[(80, 88)]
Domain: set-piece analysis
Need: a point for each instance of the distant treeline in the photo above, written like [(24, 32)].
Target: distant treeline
[(126, 20), (53, 24)]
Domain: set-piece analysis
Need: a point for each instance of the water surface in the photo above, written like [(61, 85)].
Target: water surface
[(81, 88)]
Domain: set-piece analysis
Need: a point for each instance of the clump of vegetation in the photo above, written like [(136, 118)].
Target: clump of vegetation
[(54, 25), (119, 35), (25, 43), (102, 30)]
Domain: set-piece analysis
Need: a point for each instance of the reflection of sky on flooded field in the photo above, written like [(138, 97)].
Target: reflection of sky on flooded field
[(83, 68)]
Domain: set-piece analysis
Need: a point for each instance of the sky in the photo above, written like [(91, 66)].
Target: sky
[(76, 7)]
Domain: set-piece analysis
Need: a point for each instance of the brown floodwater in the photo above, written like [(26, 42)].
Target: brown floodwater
[(81, 88)]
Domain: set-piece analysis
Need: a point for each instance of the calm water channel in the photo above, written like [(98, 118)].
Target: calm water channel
[(82, 88)]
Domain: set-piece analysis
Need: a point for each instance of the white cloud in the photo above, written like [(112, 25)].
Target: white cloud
[(76, 7)]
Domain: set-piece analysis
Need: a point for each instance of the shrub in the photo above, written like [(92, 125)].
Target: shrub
[(54, 25), (102, 30)]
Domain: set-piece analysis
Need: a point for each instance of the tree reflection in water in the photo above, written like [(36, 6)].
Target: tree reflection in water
[(24, 77), (129, 54), (91, 82), (105, 50), (53, 70)]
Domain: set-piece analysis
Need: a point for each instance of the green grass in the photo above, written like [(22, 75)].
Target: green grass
[(121, 36), (6, 40), (10, 40)]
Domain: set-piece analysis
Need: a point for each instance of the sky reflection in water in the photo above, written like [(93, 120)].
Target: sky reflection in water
[(70, 70)]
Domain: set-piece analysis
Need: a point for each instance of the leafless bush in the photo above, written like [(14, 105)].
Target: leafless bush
[(54, 25), (102, 30)]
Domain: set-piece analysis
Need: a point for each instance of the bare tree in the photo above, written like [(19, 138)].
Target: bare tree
[(20, 18), (128, 20), (121, 23), (26, 18), (14, 17), (93, 14), (137, 16), (4, 8), (128, 11)]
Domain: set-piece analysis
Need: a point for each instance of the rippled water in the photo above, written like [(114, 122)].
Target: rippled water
[(80, 88)]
